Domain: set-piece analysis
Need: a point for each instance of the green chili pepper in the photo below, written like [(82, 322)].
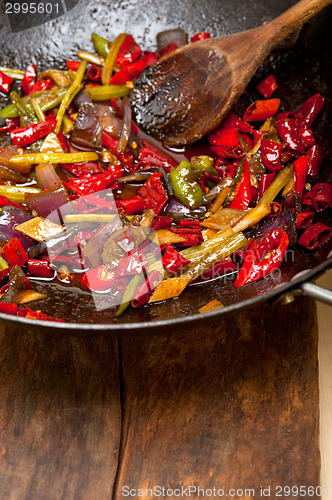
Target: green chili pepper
[(27, 116), (187, 190), (52, 99), (70, 94), (202, 162), (111, 58), (102, 45), (236, 180), (130, 292)]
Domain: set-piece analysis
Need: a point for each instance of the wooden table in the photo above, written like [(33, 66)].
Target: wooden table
[(232, 405)]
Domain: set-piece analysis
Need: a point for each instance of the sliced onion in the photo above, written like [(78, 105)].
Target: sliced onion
[(47, 177), (175, 36), (5, 155), (111, 124), (8, 175), (284, 221), (9, 218), (178, 211), (126, 127), (88, 131), (79, 98), (46, 202)]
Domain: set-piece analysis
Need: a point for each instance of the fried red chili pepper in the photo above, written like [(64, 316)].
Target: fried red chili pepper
[(14, 253), (174, 261), (41, 86), (132, 205), (144, 292), (304, 219), (149, 155), (271, 155), (309, 110), (128, 52), (40, 267), (242, 192), (260, 111), (322, 196), (87, 185), (315, 236), (288, 132), (264, 256), (24, 136), (5, 82), (200, 36), (267, 86), (9, 308), (315, 156), (265, 181), (300, 169), (161, 222), (29, 78), (153, 193), (134, 70)]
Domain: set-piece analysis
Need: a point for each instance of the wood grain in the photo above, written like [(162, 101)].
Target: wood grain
[(232, 406), (59, 417)]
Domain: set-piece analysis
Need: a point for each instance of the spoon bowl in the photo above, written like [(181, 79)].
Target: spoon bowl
[(189, 91)]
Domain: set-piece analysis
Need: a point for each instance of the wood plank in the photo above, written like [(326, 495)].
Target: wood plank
[(59, 417), (325, 386), (230, 405)]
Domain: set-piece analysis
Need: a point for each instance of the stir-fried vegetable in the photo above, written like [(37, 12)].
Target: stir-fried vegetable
[(88, 200)]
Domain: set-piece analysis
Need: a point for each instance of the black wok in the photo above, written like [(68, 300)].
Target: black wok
[(301, 72)]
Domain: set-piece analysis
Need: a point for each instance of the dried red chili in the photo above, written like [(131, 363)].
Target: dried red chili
[(14, 253), (8, 308), (134, 70), (41, 86), (261, 110), (24, 136), (267, 86), (128, 52), (174, 261), (322, 196), (315, 156), (257, 264), (5, 82), (29, 78), (265, 182), (94, 73), (288, 132), (309, 110), (161, 222), (300, 170), (304, 219), (242, 192), (271, 155), (153, 193), (132, 205), (200, 36), (315, 236)]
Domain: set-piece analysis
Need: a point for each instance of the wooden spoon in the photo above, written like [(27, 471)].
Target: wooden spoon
[(189, 91)]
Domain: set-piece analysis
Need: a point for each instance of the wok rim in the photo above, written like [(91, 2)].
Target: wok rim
[(110, 328)]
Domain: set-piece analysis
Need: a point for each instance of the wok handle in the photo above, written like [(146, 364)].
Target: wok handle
[(316, 292)]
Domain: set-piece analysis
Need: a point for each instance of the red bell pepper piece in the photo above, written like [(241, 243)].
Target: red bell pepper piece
[(174, 261), (256, 265), (259, 111), (128, 53), (8, 308), (200, 36), (300, 170), (314, 236), (304, 219), (134, 70), (221, 268), (161, 222), (41, 86), (307, 203), (144, 292), (150, 155), (87, 185), (132, 205), (14, 253), (267, 86), (315, 155), (94, 73), (271, 155), (111, 142), (322, 196), (309, 110), (40, 267), (24, 136), (242, 192), (307, 137), (6, 202), (265, 182), (25, 312), (85, 169), (29, 78), (73, 65), (289, 133), (98, 278), (5, 82), (153, 193), (11, 123)]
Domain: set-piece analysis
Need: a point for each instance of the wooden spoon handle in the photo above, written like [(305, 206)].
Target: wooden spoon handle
[(294, 18)]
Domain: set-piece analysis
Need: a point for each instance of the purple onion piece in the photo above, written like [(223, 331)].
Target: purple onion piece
[(9, 218), (81, 97), (178, 211), (167, 37), (126, 127), (284, 221), (88, 131), (46, 202)]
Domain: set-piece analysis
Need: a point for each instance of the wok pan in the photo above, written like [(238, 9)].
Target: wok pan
[(301, 72)]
